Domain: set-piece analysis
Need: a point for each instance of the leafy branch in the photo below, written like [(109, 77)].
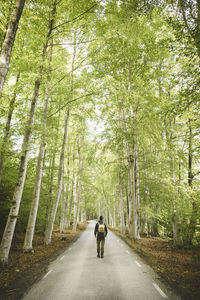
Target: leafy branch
[(66, 104)]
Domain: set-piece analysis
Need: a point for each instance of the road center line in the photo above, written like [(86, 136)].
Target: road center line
[(47, 274), (137, 263), (160, 291)]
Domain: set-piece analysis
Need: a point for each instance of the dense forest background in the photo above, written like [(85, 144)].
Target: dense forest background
[(99, 115)]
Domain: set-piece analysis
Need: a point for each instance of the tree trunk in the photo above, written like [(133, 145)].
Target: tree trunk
[(114, 216), (8, 42), (50, 184), (154, 223), (39, 170), (193, 221), (105, 209), (123, 229), (190, 155), (99, 208), (80, 155), (82, 214), (70, 204), (132, 202), (129, 202), (7, 128), (63, 209), (130, 150), (144, 213), (49, 229), (137, 198), (169, 139), (127, 205), (110, 222), (83, 211), (67, 202), (75, 204), (72, 194), (14, 210)]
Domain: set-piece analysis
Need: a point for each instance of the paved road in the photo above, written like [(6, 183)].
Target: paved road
[(79, 274)]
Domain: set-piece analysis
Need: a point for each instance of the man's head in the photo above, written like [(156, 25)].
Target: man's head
[(100, 218)]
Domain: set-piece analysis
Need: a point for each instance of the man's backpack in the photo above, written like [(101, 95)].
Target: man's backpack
[(101, 228)]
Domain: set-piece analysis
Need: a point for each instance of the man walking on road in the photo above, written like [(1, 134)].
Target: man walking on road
[(100, 233)]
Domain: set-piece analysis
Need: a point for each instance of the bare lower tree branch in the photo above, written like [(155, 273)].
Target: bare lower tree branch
[(72, 44), (69, 21)]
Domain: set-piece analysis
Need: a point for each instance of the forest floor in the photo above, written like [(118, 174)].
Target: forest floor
[(24, 270), (179, 268)]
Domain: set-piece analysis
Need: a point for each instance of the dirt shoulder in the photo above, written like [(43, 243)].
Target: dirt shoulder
[(179, 268), (26, 269)]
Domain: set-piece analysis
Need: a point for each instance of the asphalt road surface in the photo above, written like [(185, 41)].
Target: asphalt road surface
[(79, 274)]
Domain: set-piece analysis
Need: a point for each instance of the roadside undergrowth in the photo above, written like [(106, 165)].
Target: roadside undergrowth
[(24, 269), (179, 268)]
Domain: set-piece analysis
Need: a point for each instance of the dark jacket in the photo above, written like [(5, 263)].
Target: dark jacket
[(100, 235)]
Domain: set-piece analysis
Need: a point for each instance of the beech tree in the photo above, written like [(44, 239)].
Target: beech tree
[(9, 40), (14, 210), (49, 228), (39, 170)]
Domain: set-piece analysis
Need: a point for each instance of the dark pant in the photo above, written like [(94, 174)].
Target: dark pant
[(100, 246)]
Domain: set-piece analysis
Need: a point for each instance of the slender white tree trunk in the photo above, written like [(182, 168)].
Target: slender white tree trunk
[(82, 214), (133, 201), (51, 179), (35, 202), (75, 205), (8, 42), (131, 179), (70, 205), (110, 217), (83, 210), (72, 193), (7, 127), (80, 155), (66, 217), (169, 144), (14, 210), (129, 204), (49, 228), (99, 208), (132, 197), (63, 210), (114, 216), (67, 202), (123, 229), (39, 170), (105, 209), (137, 197)]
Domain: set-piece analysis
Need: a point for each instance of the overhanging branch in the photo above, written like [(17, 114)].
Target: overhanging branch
[(69, 21), (63, 106)]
